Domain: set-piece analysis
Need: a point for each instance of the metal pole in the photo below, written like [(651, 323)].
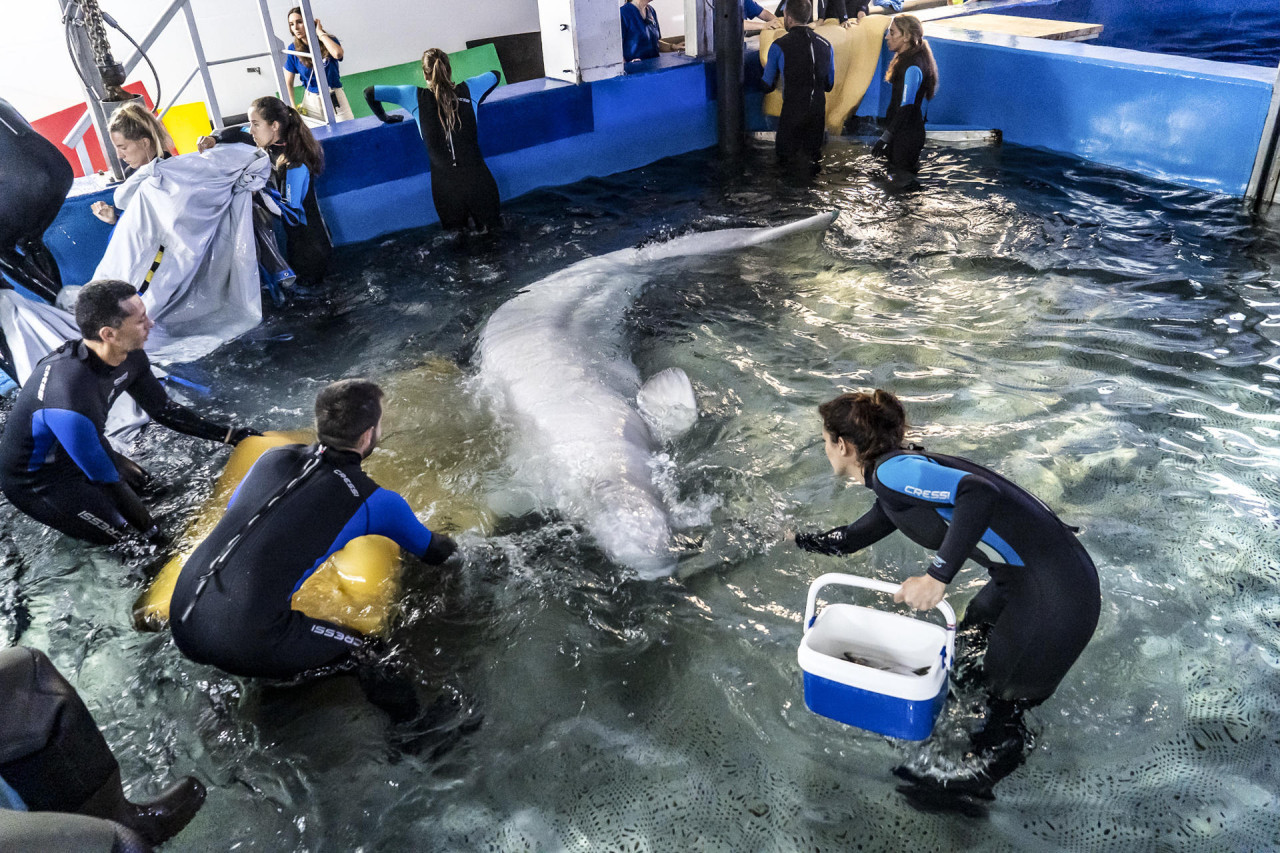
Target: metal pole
[(317, 65), (1266, 166), (274, 46), (210, 99), (95, 88), (728, 41)]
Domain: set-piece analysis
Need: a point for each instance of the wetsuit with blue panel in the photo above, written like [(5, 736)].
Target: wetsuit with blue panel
[(298, 505), (292, 189), (56, 464), (640, 32), (904, 133), (806, 63), (462, 187), (1043, 599)]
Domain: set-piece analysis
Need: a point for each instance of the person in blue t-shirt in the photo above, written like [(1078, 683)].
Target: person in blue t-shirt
[(640, 30), (1041, 606), (753, 11), (331, 53), (462, 187)]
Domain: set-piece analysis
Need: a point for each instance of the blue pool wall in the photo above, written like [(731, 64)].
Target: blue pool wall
[(533, 134), (1188, 121)]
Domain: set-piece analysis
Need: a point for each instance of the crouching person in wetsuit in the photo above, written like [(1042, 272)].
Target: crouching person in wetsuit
[(298, 505), (56, 464), (1040, 607), (58, 779), (806, 64)]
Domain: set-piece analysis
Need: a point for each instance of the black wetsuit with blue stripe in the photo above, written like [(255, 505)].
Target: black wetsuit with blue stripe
[(462, 187), (1043, 599), (297, 506), (806, 63), (55, 462)]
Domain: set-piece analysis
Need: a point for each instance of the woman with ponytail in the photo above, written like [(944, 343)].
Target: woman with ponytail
[(914, 77), (139, 138), (462, 186), (296, 161), (1041, 605)]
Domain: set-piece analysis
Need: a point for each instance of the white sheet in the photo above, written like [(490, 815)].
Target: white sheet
[(205, 290)]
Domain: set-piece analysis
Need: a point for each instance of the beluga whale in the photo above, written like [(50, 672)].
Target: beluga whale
[(585, 431)]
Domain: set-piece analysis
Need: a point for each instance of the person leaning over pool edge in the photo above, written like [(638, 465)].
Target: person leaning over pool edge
[(298, 505), (1042, 603), (462, 187), (56, 464)]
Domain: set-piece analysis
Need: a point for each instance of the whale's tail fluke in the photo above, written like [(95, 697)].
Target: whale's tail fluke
[(667, 403)]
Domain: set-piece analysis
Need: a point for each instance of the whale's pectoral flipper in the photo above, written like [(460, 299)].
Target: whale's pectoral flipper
[(667, 403)]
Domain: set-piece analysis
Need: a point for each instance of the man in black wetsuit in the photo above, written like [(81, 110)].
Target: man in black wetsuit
[(297, 506), (806, 64), (56, 464)]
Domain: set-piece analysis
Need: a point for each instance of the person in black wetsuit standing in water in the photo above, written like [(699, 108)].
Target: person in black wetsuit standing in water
[(914, 77), (806, 63), (56, 464), (298, 505), (1040, 607), (462, 187)]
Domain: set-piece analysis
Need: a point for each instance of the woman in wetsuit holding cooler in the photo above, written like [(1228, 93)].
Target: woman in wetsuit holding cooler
[(1042, 603), (462, 187)]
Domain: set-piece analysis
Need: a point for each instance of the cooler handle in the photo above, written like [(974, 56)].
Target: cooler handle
[(841, 579)]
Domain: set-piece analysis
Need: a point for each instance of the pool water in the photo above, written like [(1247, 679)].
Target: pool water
[(1106, 341), (1241, 32)]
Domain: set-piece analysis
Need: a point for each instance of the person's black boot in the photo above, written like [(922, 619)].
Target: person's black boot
[(156, 821)]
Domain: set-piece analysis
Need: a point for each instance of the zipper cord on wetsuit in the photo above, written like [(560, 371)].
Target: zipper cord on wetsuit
[(221, 559)]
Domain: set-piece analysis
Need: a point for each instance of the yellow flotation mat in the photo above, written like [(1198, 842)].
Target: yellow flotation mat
[(356, 587), (857, 51), (426, 428)]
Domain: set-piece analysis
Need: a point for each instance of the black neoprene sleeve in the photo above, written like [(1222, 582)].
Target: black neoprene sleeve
[(873, 526)]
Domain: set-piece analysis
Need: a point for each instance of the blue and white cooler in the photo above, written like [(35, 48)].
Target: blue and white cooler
[(880, 671)]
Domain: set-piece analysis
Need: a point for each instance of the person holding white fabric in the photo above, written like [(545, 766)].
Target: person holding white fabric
[(139, 138), (177, 241)]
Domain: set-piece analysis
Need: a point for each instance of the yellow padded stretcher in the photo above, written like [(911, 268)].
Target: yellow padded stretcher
[(356, 587), (857, 51)]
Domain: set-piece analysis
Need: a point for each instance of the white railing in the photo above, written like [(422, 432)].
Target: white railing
[(275, 49)]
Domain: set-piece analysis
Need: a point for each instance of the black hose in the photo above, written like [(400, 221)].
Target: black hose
[(112, 23)]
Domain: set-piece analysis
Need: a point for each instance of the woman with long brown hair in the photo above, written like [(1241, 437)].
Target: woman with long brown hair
[(913, 74), (1040, 607), (462, 187), (331, 54), (296, 161)]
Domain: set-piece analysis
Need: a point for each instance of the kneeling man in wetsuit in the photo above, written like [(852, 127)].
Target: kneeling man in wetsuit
[(56, 464), (298, 505)]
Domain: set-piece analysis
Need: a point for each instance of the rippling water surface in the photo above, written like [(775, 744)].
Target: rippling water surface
[(1106, 342)]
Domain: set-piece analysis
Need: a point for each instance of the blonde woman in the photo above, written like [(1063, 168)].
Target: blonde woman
[(462, 186), (914, 77), (139, 138)]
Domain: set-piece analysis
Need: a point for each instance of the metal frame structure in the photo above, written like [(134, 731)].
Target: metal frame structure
[(98, 115), (1265, 180)]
